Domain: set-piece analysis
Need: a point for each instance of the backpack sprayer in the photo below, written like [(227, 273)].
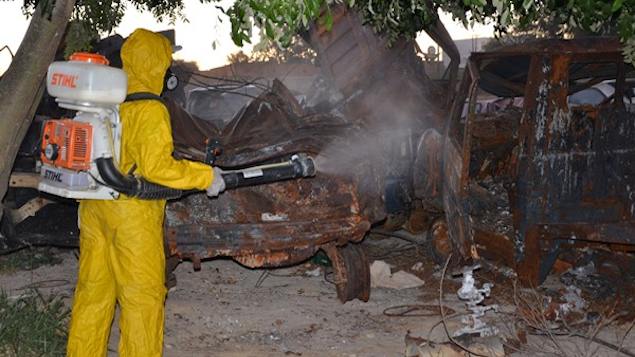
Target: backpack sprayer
[(79, 155)]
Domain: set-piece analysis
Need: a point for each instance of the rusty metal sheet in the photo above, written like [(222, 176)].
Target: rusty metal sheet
[(351, 55), (261, 243), (269, 225), (373, 76), (579, 176)]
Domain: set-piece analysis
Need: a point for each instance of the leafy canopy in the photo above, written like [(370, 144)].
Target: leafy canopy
[(92, 18), (280, 20)]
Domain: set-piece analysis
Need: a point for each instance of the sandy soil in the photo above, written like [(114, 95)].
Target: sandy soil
[(220, 310)]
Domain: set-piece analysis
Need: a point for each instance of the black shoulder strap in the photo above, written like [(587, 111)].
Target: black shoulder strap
[(143, 96)]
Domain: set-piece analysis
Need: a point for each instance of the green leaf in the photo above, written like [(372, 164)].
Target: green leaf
[(499, 5), (527, 4), (269, 32), (328, 21), (505, 17), (617, 4)]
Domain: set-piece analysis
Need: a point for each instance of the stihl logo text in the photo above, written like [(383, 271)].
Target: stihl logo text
[(63, 80), (53, 176)]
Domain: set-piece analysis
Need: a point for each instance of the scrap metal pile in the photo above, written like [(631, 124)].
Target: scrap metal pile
[(523, 186)]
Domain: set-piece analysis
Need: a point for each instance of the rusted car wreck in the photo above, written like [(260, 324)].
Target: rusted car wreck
[(525, 184), (277, 224)]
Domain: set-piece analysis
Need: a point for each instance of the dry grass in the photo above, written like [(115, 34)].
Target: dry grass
[(565, 336), (533, 325)]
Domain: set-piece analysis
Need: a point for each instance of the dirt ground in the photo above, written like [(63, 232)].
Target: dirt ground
[(228, 310)]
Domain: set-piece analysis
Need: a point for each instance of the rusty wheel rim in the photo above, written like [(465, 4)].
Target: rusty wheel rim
[(352, 272)]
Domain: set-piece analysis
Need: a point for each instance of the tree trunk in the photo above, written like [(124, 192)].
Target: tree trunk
[(439, 34), (22, 85)]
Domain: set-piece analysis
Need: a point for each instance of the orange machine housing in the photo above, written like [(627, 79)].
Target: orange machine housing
[(72, 142)]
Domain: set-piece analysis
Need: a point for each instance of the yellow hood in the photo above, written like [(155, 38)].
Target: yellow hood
[(146, 56)]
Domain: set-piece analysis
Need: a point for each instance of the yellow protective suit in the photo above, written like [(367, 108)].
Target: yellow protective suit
[(122, 256)]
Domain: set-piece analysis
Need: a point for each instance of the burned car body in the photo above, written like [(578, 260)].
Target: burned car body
[(278, 224), (522, 185)]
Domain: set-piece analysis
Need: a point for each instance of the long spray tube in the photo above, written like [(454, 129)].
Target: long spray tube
[(300, 165)]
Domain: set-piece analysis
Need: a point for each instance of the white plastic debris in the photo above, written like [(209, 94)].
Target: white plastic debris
[(473, 298), (417, 267), (382, 277), (584, 271), (574, 301), (314, 273), (271, 217)]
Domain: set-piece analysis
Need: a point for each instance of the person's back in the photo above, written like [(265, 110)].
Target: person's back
[(122, 257)]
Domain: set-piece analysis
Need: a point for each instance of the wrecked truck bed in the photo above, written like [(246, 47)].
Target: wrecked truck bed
[(277, 224), (526, 184)]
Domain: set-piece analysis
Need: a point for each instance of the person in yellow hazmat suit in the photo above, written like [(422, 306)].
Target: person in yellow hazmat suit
[(122, 256)]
